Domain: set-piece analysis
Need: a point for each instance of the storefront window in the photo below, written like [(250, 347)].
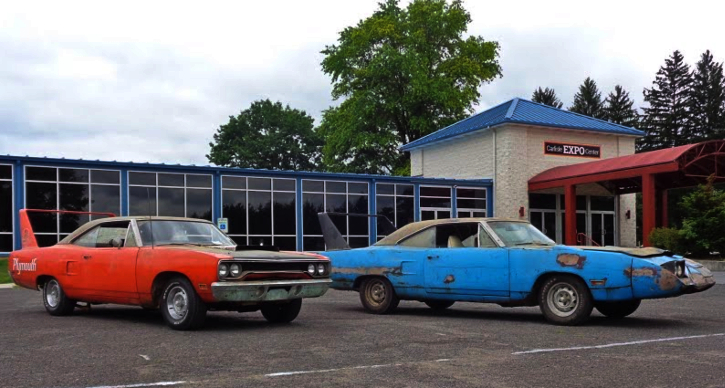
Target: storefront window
[(260, 211), (396, 201), (170, 194), (471, 202), (435, 202), (335, 197), (74, 189), (6, 208)]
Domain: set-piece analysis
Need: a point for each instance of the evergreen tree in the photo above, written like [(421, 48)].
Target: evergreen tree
[(618, 108), (547, 97), (588, 100), (667, 120), (708, 99)]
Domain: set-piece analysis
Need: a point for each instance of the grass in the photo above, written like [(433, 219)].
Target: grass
[(4, 275)]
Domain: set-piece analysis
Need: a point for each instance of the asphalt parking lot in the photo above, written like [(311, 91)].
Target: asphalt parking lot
[(673, 342)]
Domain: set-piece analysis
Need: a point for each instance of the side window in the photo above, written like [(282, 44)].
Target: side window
[(88, 239), (423, 239), (486, 240), (457, 235)]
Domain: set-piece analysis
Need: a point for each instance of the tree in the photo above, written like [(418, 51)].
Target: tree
[(708, 99), (588, 100), (403, 73), (618, 108), (667, 120), (547, 97), (704, 221), (267, 135)]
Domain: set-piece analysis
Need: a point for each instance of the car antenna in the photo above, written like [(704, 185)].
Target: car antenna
[(151, 221)]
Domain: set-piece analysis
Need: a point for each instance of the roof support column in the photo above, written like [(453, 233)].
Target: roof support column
[(649, 214), (570, 214), (664, 218)]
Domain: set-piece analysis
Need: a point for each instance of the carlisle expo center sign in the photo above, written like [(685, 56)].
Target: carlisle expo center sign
[(574, 150)]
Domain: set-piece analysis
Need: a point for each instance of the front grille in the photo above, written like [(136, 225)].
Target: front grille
[(269, 270)]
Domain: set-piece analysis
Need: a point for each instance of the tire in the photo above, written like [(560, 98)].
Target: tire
[(180, 305), (618, 310), (565, 300), (378, 296), (282, 312), (55, 301), (439, 304)]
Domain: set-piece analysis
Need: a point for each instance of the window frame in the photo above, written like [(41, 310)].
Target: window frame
[(57, 182), (12, 206), (156, 187), (467, 209), (395, 197)]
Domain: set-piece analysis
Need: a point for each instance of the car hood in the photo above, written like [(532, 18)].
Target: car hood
[(251, 254)]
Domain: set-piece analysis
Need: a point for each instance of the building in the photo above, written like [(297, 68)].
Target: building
[(262, 207), (512, 143)]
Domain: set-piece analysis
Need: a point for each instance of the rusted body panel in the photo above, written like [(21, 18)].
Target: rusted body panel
[(510, 275)]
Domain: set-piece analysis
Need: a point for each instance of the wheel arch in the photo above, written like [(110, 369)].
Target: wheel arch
[(360, 279), (157, 286), (41, 279), (546, 276)]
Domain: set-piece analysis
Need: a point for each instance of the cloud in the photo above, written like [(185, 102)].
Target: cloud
[(153, 81)]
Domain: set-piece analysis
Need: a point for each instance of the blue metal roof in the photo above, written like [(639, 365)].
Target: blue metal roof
[(522, 111), (146, 166)]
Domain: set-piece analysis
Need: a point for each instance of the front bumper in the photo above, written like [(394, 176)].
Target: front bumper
[(269, 290), (698, 279)]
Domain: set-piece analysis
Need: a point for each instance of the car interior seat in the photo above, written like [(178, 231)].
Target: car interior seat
[(454, 242)]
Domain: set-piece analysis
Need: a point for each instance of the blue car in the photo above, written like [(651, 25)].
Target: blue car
[(507, 262)]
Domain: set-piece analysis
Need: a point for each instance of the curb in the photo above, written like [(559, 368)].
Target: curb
[(7, 285), (713, 265)]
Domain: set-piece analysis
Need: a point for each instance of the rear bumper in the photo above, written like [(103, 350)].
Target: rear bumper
[(267, 291)]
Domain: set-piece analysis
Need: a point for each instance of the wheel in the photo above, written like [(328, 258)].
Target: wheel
[(565, 300), (439, 304), (282, 312), (618, 309), (54, 299), (378, 296), (181, 306)]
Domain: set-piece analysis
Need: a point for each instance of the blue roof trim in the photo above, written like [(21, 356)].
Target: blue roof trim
[(522, 111), (146, 166)]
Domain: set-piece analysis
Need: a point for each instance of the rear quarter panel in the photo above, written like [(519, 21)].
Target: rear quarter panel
[(401, 266), (28, 265)]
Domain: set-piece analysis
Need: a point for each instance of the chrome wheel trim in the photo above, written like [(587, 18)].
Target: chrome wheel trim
[(562, 299), (177, 303), (375, 292), (52, 293)]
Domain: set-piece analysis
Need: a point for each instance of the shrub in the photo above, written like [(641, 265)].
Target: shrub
[(667, 238), (703, 228)]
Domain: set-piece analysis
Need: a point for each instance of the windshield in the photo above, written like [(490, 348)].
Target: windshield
[(519, 233), (165, 232)]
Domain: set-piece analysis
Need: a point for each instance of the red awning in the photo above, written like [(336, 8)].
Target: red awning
[(688, 165)]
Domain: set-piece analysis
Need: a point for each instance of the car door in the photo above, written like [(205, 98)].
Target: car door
[(108, 261), (466, 261)]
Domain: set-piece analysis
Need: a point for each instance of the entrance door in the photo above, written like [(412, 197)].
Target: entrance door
[(603, 229), (545, 221)]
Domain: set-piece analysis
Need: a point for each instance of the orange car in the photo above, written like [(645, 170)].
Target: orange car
[(182, 266)]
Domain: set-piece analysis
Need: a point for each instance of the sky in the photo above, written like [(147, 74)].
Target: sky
[(152, 81)]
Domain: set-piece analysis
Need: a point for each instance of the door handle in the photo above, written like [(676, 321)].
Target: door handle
[(87, 257), (431, 257)]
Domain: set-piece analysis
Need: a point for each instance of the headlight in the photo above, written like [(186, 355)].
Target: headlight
[(311, 269), (680, 269), (320, 269), (223, 270), (235, 269)]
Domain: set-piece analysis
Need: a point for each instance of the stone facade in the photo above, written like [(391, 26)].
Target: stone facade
[(517, 156)]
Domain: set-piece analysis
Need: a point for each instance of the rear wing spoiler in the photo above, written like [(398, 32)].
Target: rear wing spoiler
[(26, 229), (333, 238)]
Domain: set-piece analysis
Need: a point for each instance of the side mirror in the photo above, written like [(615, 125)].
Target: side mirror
[(116, 242)]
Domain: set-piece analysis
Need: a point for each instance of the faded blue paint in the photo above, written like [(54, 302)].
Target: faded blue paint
[(511, 275)]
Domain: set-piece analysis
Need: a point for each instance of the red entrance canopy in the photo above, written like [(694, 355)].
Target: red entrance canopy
[(649, 172)]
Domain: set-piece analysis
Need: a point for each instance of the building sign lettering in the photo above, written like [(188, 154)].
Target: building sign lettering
[(569, 149)]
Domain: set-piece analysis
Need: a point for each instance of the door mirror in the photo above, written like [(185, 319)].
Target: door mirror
[(116, 242)]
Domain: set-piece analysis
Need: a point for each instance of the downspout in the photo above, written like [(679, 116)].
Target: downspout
[(495, 173)]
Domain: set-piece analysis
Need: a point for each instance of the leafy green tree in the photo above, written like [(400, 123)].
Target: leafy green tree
[(708, 99), (588, 100), (618, 108), (547, 97), (702, 228), (667, 120), (267, 135), (402, 73)]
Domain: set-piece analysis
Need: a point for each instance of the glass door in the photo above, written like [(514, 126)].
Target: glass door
[(545, 221)]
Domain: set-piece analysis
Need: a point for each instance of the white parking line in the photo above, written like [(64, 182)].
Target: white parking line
[(157, 384), (618, 344), (303, 372)]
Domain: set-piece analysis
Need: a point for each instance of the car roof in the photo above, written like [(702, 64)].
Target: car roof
[(414, 227), (89, 225)]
